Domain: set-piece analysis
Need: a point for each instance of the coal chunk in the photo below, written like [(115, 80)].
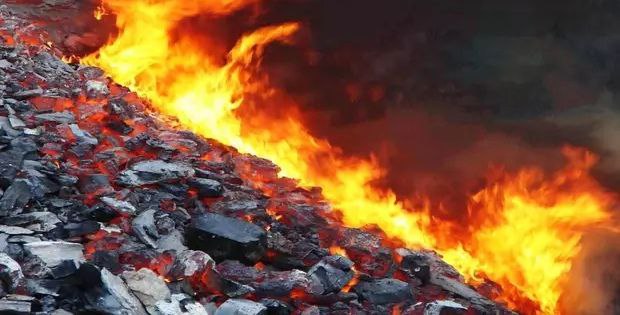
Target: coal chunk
[(10, 273), (207, 187), (384, 291), (58, 258), (144, 228), (227, 238), (81, 229), (241, 307), (107, 293), (276, 307), (334, 272), (154, 171), (16, 305), (16, 196)]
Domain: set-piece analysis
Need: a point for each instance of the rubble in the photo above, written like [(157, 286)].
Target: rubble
[(105, 207)]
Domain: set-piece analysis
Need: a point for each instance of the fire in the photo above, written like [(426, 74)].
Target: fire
[(527, 227)]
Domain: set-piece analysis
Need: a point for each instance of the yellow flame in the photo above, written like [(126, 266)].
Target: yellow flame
[(525, 239)]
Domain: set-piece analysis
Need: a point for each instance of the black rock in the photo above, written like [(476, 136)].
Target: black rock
[(81, 229), (415, 263), (334, 272), (241, 307), (94, 183), (101, 213), (107, 293), (444, 307), (276, 307), (16, 196), (207, 187), (384, 291), (227, 238)]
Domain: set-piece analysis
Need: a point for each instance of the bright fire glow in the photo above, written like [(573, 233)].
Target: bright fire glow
[(527, 228)]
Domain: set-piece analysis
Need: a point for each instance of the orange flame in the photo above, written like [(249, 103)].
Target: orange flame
[(528, 228)]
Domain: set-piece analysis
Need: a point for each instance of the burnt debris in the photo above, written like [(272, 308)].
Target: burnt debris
[(106, 208)]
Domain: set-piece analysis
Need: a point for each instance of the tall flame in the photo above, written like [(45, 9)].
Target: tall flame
[(528, 228)]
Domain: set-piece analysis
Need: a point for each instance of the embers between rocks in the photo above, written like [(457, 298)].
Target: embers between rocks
[(104, 208)]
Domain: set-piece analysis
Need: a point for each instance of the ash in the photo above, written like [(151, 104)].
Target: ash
[(107, 208)]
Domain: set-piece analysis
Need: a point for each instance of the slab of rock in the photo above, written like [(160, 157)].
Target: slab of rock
[(11, 274), (38, 221), (15, 230), (154, 171), (227, 238), (334, 272), (207, 187), (241, 307), (58, 117), (384, 291), (444, 307), (120, 206), (108, 293), (16, 304), (144, 228), (147, 286), (82, 135), (58, 258), (16, 196)]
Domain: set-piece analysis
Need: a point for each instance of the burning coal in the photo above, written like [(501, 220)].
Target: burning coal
[(526, 227)]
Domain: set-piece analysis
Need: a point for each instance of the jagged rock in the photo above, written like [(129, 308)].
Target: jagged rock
[(154, 171), (108, 293), (26, 94), (171, 241), (415, 263), (120, 206), (80, 229), (147, 286), (94, 184), (45, 286), (190, 262), (82, 135), (384, 291), (15, 230), (282, 283), (144, 228), (334, 272), (37, 221), (460, 289), (16, 196), (241, 307), (58, 258), (444, 307), (226, 238), (276, 307), (57, 117), (10, 273), (207, 187), (16, 304), (179, 304), (96, 88)]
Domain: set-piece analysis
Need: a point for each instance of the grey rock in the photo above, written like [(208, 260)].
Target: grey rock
[(226, 238), (16, 196), (11, 274), (60, 258), (384, 291), (96, 88), (58, 117), (82, 135), (175, 305), (120, 206), (38, 221), (5, 125), (16, 304), (241, 307), (444, 307), (44, 286), (16, 123), (190, 262), (171, 241), (22, 239), (15, 230), (334, 272), (26, 94), (144, 228), (60, 312), (147, 286), (154, 171), (5, 64), (460, 289)]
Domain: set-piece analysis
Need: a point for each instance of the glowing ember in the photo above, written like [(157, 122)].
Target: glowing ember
[(527, 227)]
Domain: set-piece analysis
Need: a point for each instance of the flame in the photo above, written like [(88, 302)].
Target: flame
[(527, 227)]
